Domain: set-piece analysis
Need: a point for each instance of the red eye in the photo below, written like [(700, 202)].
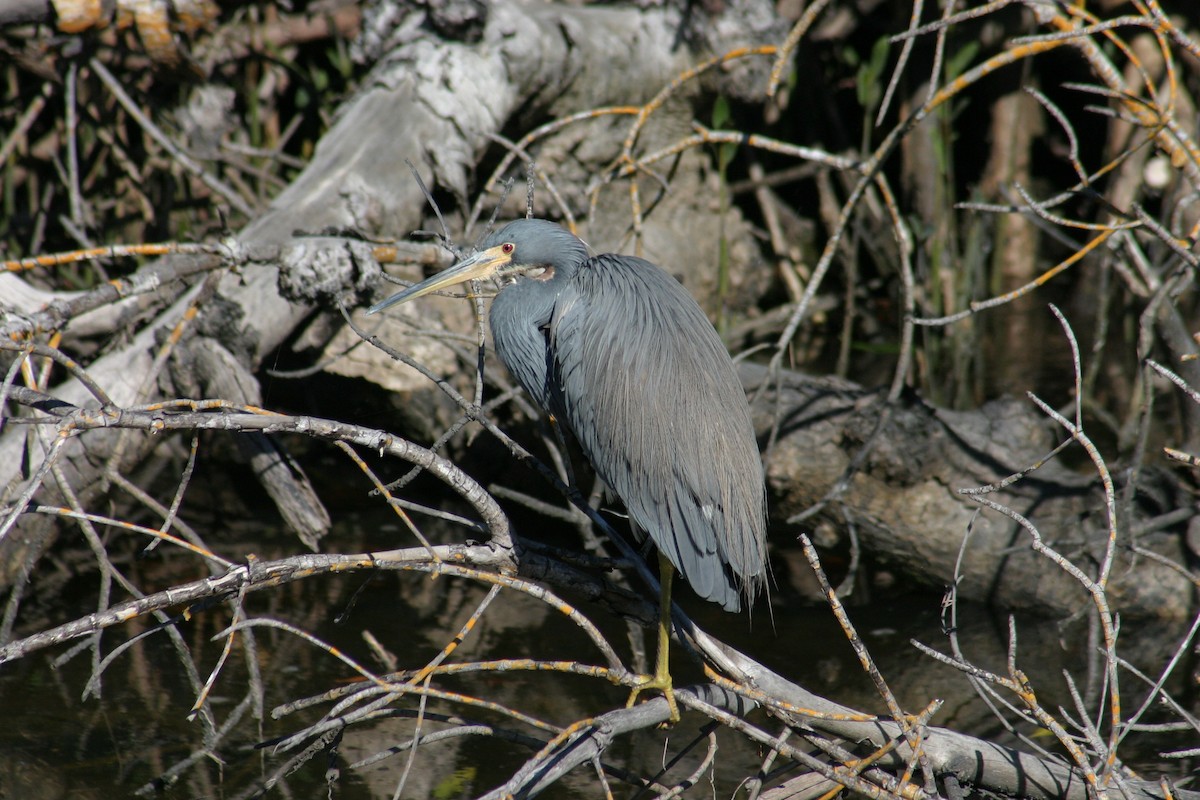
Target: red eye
[(507, 247)]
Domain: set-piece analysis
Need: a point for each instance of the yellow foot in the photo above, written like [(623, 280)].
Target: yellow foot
[(663, 684)]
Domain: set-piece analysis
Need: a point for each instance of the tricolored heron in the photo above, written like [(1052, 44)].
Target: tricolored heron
[(618, 351)]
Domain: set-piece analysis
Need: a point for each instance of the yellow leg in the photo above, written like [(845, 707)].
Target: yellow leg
[(661, 679)]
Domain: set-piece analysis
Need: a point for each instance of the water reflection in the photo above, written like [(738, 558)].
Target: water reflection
[(137, 731)]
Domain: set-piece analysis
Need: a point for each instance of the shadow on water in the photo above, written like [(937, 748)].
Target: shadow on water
[(57, 745)]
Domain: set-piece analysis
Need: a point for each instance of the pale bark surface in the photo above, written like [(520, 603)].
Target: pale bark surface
[(907, 498), (884, 474)]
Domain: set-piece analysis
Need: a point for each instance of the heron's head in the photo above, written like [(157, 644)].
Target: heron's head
[(532, 248)]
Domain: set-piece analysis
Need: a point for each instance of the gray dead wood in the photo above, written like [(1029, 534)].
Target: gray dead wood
[(975, 762), (217, 373), (434, 103), (591, 742), (17, 12), (905, 502)]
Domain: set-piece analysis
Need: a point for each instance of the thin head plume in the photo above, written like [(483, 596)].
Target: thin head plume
[(530, 187), (437, 212)]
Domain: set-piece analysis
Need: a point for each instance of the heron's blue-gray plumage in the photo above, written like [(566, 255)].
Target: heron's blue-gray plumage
[(618, 350)]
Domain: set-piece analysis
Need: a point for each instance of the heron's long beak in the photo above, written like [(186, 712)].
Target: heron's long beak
[(482, 265)]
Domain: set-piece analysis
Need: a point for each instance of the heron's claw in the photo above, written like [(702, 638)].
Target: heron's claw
[(661, 679), (663, 684)]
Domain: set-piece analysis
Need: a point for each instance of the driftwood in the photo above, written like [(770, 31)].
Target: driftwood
[(359, 179), (899, 473), (971, 761), (881, 465), (434, 111)]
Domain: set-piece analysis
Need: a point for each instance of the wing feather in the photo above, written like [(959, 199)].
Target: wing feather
[(644, 382)]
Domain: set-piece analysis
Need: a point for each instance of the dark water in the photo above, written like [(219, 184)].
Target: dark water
[(57, 745)]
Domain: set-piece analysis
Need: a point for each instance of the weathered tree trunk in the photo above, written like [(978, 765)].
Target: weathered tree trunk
[(451, 84), (429, 102), (438, 104), (907, 504)]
